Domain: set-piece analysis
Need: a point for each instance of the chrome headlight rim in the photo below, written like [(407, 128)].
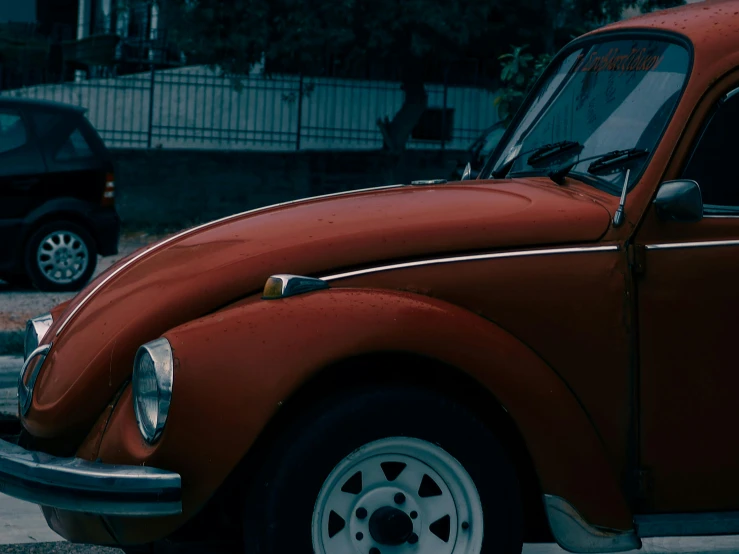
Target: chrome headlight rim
[(36, 329), (159, 354), (25, 391)]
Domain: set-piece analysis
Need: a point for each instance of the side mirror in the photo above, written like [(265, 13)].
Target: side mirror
[(679, 200), (467, 173)]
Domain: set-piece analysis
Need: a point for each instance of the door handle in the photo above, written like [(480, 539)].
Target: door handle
[(26, 183)]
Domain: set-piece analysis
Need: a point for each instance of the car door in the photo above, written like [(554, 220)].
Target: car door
[(76, 166), (688, 302), (22, 183), (22, 167)]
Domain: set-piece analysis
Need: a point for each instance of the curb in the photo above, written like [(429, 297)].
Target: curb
[(11, 342)]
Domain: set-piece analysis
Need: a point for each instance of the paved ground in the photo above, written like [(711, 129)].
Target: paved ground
[(23, 530), (18, 305)]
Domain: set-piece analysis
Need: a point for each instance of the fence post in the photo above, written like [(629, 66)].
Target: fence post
[(152, 84), (300, 113)]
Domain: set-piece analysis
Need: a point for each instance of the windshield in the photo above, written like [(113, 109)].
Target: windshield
[(611, 95)]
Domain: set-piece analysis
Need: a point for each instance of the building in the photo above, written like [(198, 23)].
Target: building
[(18, 11), (138, 19), (52, 41)]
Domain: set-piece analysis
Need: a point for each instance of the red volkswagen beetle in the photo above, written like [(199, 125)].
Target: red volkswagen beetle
[(447, 368)]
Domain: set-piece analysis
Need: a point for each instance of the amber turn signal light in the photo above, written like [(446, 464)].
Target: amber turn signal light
[(282, 286), (272, 288)]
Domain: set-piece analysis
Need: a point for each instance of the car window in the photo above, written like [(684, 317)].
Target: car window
[(45, 122), (712, 163), (74, 148), (608, 94), (12, 131)]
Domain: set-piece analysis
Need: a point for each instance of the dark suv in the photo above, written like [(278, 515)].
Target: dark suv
[(57, 195)]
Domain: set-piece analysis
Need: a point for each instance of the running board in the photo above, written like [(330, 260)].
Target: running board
[(687, 525), (573, 533)]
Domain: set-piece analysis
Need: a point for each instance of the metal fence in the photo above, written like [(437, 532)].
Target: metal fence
[(194, 107)]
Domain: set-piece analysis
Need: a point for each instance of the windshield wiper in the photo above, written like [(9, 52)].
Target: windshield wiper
[(602, 163), (538, 155), (551, 150), (615, 159)]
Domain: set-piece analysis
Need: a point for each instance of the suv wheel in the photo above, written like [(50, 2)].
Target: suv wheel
[(60, 256), (396, 470)]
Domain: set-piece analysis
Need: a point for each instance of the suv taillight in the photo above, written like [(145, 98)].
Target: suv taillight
[(109, 191)]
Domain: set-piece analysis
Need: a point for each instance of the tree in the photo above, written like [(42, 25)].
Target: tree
[(411, 35), (567, 19)]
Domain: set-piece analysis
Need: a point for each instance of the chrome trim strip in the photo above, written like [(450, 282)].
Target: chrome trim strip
[(25, 392), (473, 258), (81, 486), (702, 244), (429, 182), (720, 216), (187, 232), (730, 94), (687, 525), (574, 534)]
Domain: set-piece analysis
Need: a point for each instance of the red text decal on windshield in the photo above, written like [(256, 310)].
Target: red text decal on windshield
[(637, 60)]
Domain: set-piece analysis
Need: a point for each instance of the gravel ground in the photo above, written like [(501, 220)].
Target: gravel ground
[(18, 305), (9, 366), (56, 548)]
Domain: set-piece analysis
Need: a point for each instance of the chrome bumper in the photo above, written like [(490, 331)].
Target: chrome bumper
[(80, 486)]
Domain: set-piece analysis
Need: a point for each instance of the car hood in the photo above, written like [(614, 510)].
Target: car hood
[(203, 269)]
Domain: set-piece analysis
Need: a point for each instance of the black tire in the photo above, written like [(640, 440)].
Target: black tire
[(279, 505), (37, 276)]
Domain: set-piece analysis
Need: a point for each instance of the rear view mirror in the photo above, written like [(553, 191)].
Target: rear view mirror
[(679, 200)]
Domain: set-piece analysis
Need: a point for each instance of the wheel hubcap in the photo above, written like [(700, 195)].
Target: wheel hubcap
[(390, 526), (62, 257), (395, 496)]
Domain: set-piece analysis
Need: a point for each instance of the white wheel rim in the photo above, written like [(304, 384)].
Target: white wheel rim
[(62, 257), (358, 510)]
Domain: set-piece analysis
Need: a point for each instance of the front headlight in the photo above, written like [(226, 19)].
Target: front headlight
[(36, 328), (153, 372)]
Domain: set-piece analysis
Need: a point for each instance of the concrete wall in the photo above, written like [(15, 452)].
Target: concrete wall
[(165, 188)]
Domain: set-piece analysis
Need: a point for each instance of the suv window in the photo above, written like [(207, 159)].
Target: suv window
[(12, 131), (74, 148), (712, 163)]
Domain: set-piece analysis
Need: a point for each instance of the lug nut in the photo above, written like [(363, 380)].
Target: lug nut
[(360, 536), (374, 550), (361, 513), (465, 525), (413, 539), (399, 498), (414, 514)]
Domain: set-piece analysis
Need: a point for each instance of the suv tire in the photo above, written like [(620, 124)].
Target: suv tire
[(60, 256)]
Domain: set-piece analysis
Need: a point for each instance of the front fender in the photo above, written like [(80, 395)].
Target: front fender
[(234, 368)]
